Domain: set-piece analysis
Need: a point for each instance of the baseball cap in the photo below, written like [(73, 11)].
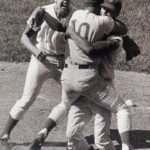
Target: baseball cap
[(93, 2), (113, 5)]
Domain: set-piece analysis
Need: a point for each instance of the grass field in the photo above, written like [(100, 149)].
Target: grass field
[(14, 13), (12, 78)]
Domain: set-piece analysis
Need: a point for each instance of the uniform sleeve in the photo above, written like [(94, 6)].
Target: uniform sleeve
[(36, 19), (107, 24)]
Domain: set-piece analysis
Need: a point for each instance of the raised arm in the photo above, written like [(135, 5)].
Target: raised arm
[(130, 46), (54, 23), (119, 28), (28, 38)]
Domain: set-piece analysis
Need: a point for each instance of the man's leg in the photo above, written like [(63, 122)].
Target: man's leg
[(59, 112), (110, 99), (78, 117), (102, 124), (36, 75)]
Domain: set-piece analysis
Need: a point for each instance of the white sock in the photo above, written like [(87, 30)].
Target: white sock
[(43, 131)]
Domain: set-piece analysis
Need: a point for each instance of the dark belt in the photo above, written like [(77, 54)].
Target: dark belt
[(55, 55), (91, 66)]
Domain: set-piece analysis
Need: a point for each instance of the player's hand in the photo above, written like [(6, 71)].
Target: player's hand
[(41, 56), (114, 44)]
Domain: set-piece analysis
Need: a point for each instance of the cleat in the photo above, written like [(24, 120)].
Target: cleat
[(36, 144), (130, 103), (4, 138), (91, 148)]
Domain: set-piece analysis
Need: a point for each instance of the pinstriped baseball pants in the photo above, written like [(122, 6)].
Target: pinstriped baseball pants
[(36, 75), (79, 116), (88, 83)]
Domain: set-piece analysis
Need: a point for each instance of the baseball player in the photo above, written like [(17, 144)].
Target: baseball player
[(47, 48), (85, 81), (66, 104), (77, 80), (82, 111)]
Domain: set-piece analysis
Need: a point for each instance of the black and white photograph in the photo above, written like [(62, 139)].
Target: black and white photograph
[(74, 74)]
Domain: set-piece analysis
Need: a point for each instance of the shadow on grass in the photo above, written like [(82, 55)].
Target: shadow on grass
[(139, 139)]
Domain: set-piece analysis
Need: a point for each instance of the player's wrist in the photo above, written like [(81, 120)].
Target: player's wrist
[(41, 56)]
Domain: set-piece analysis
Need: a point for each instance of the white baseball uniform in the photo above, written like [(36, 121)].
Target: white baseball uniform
[(82, 110), (52, 43)]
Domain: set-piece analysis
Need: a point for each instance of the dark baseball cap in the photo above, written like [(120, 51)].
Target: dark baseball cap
[(93, 2), (112, 5)]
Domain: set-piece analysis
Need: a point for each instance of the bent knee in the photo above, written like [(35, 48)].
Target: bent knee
[(123, 112), (20, 107)]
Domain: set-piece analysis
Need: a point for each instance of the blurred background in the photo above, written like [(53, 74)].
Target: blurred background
[(14, 14)]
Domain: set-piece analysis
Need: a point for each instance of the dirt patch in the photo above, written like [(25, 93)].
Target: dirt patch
[(131, 85)]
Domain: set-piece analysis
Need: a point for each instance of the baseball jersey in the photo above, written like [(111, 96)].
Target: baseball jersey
[(91, 27), (47, 39), (111, 60)]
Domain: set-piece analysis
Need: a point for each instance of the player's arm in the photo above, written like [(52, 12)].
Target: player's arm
[(28, 38), (99, 47), (54, 23), (119, 28), (130, 46)]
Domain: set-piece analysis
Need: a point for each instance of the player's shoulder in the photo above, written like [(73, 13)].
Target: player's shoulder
[(105, 19), (107, 22), (78, 12), (48, 7)]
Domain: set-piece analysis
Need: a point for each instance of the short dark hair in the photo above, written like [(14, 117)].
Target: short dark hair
[(113, 5)]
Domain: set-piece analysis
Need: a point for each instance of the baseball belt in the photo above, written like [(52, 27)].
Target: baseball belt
[(90, 66)]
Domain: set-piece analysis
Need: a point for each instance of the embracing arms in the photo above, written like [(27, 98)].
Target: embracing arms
[(99, 47)]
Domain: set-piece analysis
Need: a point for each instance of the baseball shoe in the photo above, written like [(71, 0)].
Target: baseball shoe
[(36, 144), (5, 137), (91, 148), (130, 103)]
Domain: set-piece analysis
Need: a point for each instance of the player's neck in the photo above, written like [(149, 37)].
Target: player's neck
[(92, 9)]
